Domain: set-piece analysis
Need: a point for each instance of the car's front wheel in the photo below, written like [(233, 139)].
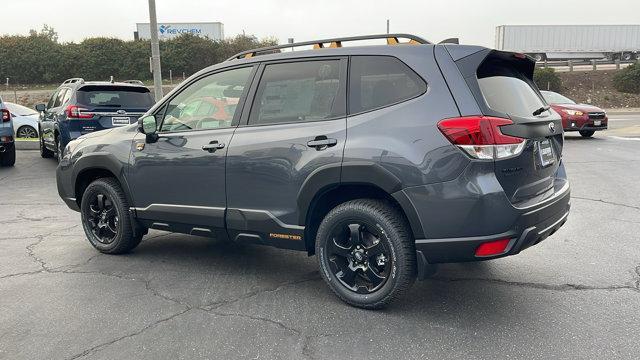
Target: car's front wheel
[(366, 253), (44, 152), (587, 133), (105, 217)]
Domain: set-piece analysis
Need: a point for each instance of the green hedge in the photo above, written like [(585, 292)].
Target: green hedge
[(40, 59), (547, 79), (627, 80)]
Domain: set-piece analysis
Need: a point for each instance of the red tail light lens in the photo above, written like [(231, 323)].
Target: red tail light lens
[(6, 115), (491, 248), (480, 137), (77, 112)]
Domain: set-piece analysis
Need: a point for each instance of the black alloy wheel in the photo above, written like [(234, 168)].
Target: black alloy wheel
[(366, 252), (358, 256), (103, 218)]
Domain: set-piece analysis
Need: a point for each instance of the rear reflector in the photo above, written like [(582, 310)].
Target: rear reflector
[(490, 248), (6, 115), (480, 137)]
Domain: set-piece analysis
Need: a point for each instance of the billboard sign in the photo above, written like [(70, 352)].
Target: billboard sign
[(212, 30)]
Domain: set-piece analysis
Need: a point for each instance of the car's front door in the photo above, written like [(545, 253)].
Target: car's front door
[(178, 181), (296, 127), (50, 116)]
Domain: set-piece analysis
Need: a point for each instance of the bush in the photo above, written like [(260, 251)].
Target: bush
[(547, 79), (627, 80), (38, 58)]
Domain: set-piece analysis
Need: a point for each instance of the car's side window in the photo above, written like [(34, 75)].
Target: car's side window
[(59, 97), (208, 103), (379, 81), (298, 92), (53, 98), (66, 97)]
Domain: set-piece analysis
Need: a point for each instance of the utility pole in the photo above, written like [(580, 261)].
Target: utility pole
[(155, 51), (387, 26)]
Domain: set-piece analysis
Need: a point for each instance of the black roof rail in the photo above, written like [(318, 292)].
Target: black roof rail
[(137, 82), (392, 39), (73, 81)]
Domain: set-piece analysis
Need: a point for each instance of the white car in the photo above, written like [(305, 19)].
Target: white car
[(25, 120)]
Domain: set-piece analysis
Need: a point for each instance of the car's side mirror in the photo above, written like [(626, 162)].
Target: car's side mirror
[(41, 107), (148, 126)]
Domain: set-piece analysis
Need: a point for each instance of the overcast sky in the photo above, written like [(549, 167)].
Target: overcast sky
[(473, 21)]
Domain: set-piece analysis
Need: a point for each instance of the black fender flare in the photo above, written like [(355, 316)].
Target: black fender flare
[(355, 172), (102, 161)]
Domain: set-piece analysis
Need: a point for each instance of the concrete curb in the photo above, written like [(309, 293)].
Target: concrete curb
[(27, 145)]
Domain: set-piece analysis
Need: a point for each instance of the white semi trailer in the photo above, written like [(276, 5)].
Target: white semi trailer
[(564, 42)]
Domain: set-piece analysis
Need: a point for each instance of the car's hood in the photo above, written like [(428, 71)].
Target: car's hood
[(585, 108)]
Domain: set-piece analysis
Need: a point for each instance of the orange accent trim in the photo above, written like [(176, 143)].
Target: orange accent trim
[(392, 41), (318, 46), (336, 44), (249, 55)]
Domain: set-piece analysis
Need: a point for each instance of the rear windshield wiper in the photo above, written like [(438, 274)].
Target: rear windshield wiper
[(541, 110)]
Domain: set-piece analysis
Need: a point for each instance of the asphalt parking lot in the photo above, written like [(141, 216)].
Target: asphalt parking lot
[(576, 295)]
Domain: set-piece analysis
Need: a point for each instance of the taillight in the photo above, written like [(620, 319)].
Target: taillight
[(6, 115), (77, 112), (480, 137)]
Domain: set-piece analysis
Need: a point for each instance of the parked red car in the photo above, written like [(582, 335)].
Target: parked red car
[(587, 119)]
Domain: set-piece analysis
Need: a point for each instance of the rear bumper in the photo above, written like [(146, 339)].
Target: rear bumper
[(532, 226), (459, 215)]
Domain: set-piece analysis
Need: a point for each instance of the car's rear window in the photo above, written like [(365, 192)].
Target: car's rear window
[(115, 96), (379, 81), (507, 90)]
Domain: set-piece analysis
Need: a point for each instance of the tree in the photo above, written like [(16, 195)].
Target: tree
[(547, 79)]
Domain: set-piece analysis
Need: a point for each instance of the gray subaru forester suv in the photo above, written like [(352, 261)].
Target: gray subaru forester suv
[(382, 160)]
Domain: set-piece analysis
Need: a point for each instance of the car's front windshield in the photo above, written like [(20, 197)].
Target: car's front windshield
[(555, 98)]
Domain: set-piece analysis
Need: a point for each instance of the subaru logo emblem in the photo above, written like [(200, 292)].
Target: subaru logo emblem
[(552, 127), (120, 112)]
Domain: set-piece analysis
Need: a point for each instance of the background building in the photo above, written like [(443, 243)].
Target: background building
[(212, 30)]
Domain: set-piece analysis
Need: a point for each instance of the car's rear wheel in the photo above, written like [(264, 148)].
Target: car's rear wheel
[(366, 253), (105, 217), (58, 152), (44, 152), (587, 133), (26, 132), (8, 157)]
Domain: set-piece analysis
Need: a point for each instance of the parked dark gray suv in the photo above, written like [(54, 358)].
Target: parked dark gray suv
[(381, 160)]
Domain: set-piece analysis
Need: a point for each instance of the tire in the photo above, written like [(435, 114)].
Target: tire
[(44, 152), (587, 133), (8, 158), (115, 236), (26, 132), (367, 218)]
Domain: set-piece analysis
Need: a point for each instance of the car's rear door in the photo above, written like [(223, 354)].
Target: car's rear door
[(502, 83), (178, 181), (295, 126), (106, 106)]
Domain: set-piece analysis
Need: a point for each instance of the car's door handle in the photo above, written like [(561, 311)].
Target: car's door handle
[(322, 142), (213, 146)]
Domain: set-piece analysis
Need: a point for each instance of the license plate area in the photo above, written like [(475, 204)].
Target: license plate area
[(597, 122), (120, 120), (545, 152)]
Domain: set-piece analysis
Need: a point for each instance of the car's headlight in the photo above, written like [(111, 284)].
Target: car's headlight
[(573, 112)]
